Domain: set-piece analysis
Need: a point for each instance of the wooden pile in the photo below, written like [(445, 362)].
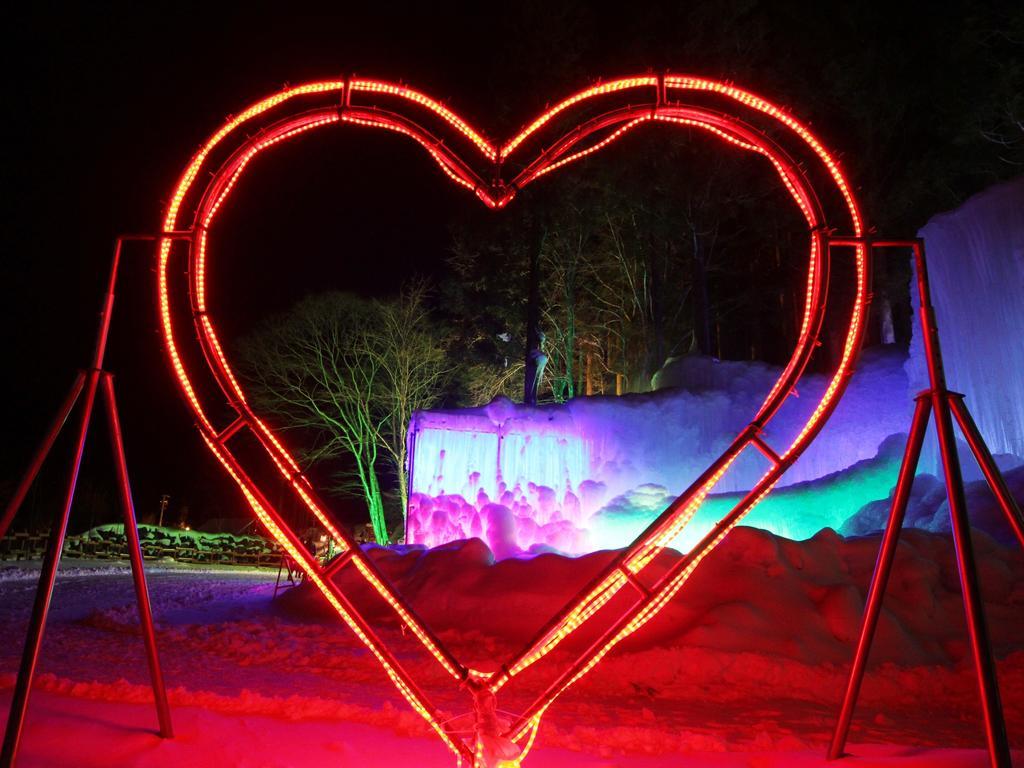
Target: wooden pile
[(23, 545), (107, 542)]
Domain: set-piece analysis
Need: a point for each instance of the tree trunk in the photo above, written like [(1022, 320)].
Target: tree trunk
[(570, 353), (376, 503), (371, 493), (530, 383), (403, 479), (701, 301), (656, 359)]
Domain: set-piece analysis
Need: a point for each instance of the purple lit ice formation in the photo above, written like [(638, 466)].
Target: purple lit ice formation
[(513, 481), (593, 472)]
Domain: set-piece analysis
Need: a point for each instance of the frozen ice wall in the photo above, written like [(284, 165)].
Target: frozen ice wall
[(513, 476), (976, 269), (591, 472)]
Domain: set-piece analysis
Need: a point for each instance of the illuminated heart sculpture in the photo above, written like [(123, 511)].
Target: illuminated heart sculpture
[(575, 127)]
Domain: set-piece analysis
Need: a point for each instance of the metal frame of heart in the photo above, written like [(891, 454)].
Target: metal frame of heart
[(575, 127)]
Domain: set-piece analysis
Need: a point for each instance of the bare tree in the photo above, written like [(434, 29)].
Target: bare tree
[(414, 368), (349, 373)]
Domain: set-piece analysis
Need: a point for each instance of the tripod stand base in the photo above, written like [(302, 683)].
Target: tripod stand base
[(90, 383), (944, 405)]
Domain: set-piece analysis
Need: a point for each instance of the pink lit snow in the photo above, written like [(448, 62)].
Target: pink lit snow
[(745, 668)]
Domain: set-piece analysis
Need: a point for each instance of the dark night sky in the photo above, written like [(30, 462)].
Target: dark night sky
[(114, 103), (108, 106)]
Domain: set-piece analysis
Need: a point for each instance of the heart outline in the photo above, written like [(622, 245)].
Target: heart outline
[(496, 193)]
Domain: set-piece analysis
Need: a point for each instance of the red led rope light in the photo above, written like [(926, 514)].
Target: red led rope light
[(375, 86), (218, 362), (622, 130), (662, 532), (625, 83)]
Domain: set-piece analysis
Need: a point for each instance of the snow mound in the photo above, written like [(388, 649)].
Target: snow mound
[(756, 593), (928, 508)]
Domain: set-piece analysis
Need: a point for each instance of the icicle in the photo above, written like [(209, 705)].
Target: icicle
[(975, 258)]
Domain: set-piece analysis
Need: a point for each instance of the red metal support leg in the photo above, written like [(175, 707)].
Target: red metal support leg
[(41, 453), (44, 592), (974, 612), (988, 466), (277, 581), (984, 664), (131, 533), (90, 382), (944, 404), (883, 566)]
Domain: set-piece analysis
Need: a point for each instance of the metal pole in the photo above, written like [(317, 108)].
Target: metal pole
[(41, 453), (995, 727), (277, 581), (48, 575), (89, 381), (883, 566), (995, 478), (44, 592), (135, 554), (108, 307)]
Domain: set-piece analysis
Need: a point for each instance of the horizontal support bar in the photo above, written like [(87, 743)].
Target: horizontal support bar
[(231, 430), (767, 450), (181, 234), (871, 242), (337, 563), (635, 582)]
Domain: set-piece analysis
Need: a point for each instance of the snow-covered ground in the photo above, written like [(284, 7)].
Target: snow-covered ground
[(744, 669)]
